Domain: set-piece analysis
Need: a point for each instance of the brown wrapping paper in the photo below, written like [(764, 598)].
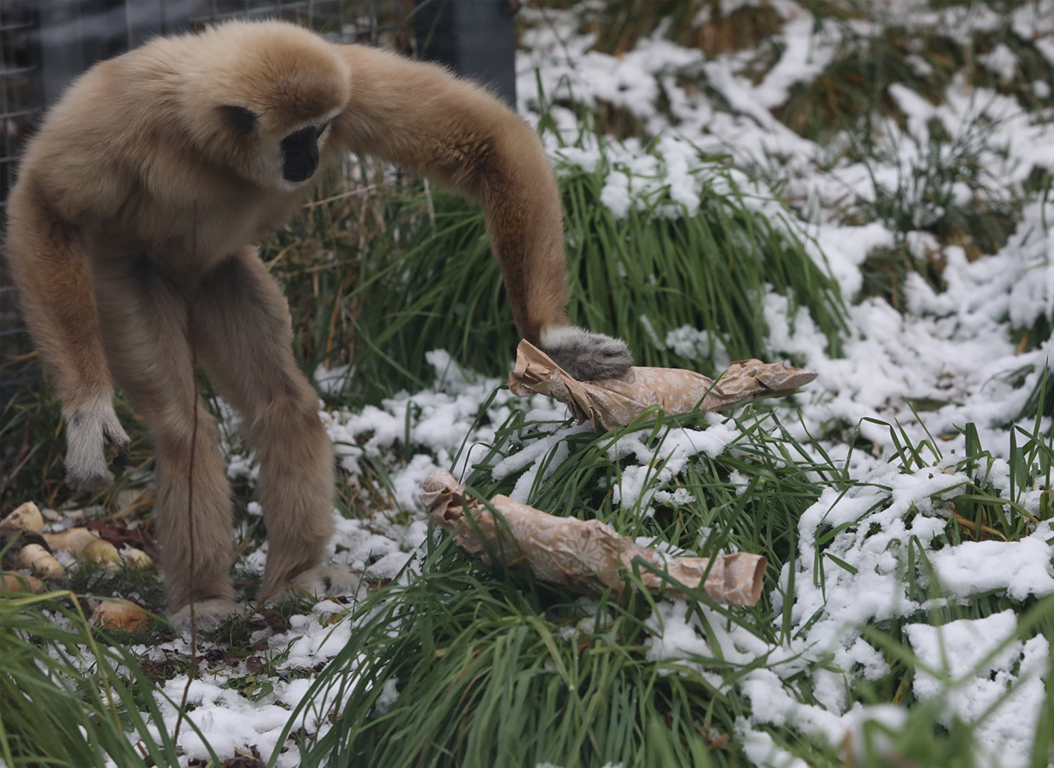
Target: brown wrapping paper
[(583, 555), (611, 403)]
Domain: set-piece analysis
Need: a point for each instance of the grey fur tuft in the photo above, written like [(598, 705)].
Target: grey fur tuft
[(586, 355)]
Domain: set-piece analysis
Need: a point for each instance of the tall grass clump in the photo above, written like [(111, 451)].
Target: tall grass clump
[(659, 239), (458, 668), (70, 696), (460, 664)]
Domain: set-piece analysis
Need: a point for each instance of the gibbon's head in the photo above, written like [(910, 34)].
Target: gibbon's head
[(263, 95)]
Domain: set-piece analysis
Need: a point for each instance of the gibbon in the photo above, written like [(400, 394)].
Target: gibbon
[(129, 239)]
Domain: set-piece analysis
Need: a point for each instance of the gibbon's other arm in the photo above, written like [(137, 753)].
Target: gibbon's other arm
[(420, 117), (57, 299)]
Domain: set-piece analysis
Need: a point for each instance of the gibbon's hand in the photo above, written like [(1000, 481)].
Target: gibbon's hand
[(86, 430), (586, 355)]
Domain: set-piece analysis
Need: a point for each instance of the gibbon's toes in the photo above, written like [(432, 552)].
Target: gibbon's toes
[(208, 614), (325, 581), (587, 355)]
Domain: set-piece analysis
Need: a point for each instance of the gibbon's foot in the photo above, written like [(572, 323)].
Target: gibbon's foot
[(87, 429), (586, 355), (323, 581), (208, 614)]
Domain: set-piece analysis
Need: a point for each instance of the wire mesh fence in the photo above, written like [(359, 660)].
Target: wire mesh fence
[(46, 44)]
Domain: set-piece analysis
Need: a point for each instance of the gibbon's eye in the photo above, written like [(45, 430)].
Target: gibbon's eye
[(239, 118), (300, 154)]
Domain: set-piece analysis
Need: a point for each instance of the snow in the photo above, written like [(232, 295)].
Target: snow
[(955, 348), (980, 656)]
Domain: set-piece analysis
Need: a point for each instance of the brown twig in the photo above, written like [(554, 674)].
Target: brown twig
[(190, 500)]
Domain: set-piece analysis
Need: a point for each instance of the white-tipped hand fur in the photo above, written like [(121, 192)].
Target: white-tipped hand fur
[(586, 355), (86, 431)]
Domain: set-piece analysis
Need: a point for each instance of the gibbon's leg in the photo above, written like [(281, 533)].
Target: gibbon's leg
[(244, 333), (144, 320)]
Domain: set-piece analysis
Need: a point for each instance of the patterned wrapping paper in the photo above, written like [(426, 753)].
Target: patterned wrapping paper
[(610, 403), (582, 555)]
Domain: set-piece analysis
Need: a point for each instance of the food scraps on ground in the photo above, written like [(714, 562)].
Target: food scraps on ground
[(82, 543), (13, 581), (120, 614), (38, 559), (26, 517)]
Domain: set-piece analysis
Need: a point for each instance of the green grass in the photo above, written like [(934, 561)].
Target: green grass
[(486, 675), (70, 696)]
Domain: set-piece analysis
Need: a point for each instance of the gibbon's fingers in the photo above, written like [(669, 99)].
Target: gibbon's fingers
[(118, 438), (85, 458), (420, 117), (86, 430), (586, 355)]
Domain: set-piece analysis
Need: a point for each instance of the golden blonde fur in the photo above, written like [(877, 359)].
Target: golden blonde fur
[(129, 232)]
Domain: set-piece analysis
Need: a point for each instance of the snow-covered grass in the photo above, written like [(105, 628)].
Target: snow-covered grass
[(725, 166)]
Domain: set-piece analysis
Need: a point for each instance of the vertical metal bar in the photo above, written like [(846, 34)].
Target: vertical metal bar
[(60, 47), (150, 18), (477, 38), (175, 16)]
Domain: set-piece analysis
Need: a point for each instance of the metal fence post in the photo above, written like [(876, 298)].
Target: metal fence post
[(476, 38)]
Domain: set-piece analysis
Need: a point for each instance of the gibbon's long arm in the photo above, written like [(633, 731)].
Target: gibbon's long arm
[(58, 301), (420, 117)]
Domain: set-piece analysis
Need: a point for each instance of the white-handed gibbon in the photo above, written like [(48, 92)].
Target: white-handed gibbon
[(129, 238)]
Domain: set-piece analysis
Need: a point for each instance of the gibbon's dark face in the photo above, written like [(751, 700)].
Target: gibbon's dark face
[(300, 153)]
